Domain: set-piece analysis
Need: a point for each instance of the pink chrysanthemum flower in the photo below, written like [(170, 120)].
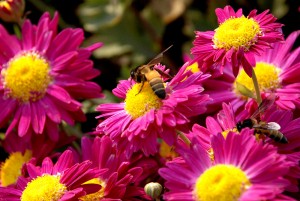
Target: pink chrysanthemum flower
[(21, 151), (62, 181), (237, 40), (226, 122), (41, 76), (240, 169), (118, 183), (277, 71), (136, 123)]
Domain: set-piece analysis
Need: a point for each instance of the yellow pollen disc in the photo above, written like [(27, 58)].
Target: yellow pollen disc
[(267, 77), (11, 168), (167, 151), (26, 77), (46, 188), (222, 183), (94, 196), (139, 103), (236, 33)]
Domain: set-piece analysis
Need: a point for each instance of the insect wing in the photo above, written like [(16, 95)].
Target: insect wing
[(265, 104), (273, 126), (158, 58), (268, 126)]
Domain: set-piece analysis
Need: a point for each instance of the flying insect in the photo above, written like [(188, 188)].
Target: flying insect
[(148, 73), (269, 129)]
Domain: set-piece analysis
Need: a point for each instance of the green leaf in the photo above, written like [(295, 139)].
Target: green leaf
[(98, 14)]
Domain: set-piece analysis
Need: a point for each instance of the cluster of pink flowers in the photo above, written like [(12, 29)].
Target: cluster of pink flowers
[(227, 129)]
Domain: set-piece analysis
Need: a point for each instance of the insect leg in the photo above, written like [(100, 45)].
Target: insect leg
[(142, 81), (163, 73)]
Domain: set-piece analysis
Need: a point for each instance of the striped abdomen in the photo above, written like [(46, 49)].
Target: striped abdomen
[(156, 83), (276, 135), (158, 87)]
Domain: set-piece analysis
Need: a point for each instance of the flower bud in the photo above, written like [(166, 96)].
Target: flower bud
[(153, 189), (12, 10)]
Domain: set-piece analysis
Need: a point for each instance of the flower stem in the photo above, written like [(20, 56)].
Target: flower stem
[(256, 87), (184, 138), (17, 30)]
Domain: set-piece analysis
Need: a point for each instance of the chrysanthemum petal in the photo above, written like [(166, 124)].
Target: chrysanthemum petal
[(7, 42), (64, 161), (25, 119), (5, 112), (33, 171), (50, 109)]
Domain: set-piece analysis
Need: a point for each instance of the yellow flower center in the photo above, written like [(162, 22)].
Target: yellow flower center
[(267, 77), (46, 188), (94, 196), (193, 67), (236, 33), (167, 151), (26, 77), (222, 183), (138, 103), (225, 132), (11, 168)]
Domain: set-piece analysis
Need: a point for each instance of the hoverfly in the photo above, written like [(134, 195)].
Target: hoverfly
[(269, 129)]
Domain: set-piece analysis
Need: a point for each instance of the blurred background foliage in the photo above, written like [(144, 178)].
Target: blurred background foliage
[(134, 31)]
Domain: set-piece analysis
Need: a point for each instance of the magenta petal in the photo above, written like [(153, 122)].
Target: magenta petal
[(221, 15), (67, 117), (59, 93), (72, 177), (47, 166), (212, 125), (226, 117), (247, 67), (44, 42), (64, 60), (14, 122), (228, 10), (64, 161), (6, 112), (66, 41), (10, 194), (38, 117), (54, 23), (33, 171), (51, 110), (94, 46), (7, 42), (88, 142), (286, 48), (73, 195), (25, 119), (29, 34), (35, 119), (91, 188)]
